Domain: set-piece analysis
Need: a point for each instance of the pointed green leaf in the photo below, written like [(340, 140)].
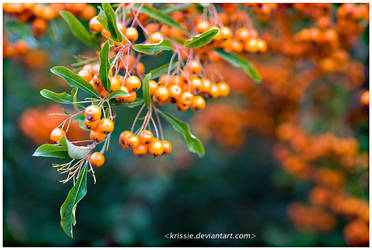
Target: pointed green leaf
[(201, 39), (63, 97), (74, 80), (104, 67), (117, 93), (136, 103), (156, 73), (175, 7), (78, 29), (193, 143), (241, 63), (74, 99), (51, 150), (107, 18), (68, 208), (153, 48), (146, 90), (158, 15)]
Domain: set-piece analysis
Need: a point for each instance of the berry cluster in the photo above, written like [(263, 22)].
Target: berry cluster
[(40, 14), (143, 143), (99, 128), (20, 47)]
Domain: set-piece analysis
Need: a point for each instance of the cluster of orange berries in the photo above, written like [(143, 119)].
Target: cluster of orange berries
[(352, 19), (20, 47), (263, 10), (311, 218), (99, 128), (144, 143), (39, 14), (36, 123), (186, 91)]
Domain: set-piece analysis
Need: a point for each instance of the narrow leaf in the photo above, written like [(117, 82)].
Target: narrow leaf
[(146, 90), (193, 143), (136, 103), (78, 29), (105, 66), (117, 93), (201, 39), (175, 7), (68, 208), (108, 19), (74, 80), (241, 63), (156, 73), (51, 150), (63, 97), (153, 48), (74, 99), (158, 15), (77, 152)]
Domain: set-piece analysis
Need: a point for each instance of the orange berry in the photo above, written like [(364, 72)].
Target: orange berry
[(242, 34), (214, 92), (164, 79), (123, 138), (92, 113), (140, 150), (196, 85), (156, 147), (251, 45), (131, 98), (165, 30), (153, 86), (206, 85), (57, 134), (157, 37), (194, 66), (364, 98), (91, 124), (117, 82), (140, 68), (120, 98), (39, 26), (88, 12), (132, 141), (161, 95), (167, 146), (21, 46), (236, 46), (145, 137), (96, 136), (261, 45), (105, 126), (202, 26), (152, 27), (95, 25), (48, 13), (176, 80), (131, 34), (197, 103), (132, 83), (226, 32), (87, 75), (97, 159), (224, 89), (174, 93), (185, 100)]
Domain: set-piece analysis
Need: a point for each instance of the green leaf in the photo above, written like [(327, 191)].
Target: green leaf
[(156, 73), (146, 90), (193, 143), (63, 97), (51, 150), (77, 152), (175, 7), (201, 39), (136, 103), (107, 18), (68, 208), (74, 80), (241, 63), (117, 93), (78, 29), (74, 99), (158, 15), (104, 67), (153, 48)]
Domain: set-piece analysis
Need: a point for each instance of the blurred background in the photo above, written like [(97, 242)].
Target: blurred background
[(286, 160)]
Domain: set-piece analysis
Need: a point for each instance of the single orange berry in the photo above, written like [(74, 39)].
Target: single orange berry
[(145, 137), (194, 67), (364, 98), (202, 26), (197, 103), (242, 34), (224, 89), (196, 85), (156, 148), (140, 150), (95, 25), (140, 68), (92, 113), (117, 82), (161, 95), (133, 83), (91, 124), (105, 126), (206, 86), (174, 93), (153, 86), (96, 136), (87, 75), (157, 37), (57, 134), (185, 100), (132, 141), (167, 146), (123, 138), (97, 159), (226, 32), (132, 34), (214, 92)]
